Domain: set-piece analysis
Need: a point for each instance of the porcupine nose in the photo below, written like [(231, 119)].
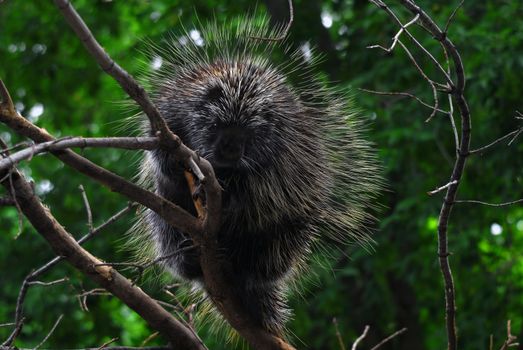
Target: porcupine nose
[(230, 145)]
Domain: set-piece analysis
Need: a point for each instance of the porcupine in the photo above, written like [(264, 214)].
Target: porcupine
[(294, 166)]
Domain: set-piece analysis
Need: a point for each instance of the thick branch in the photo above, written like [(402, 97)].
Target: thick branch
[(126, 81), (172, 213), (64, 244)]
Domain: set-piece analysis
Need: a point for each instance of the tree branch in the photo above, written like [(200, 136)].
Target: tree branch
[(389, 338), (144, 143), (63, 244), (456, 90), (203, 231), (360, 338)]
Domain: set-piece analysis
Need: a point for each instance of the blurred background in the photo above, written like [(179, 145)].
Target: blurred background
[(56, 84)]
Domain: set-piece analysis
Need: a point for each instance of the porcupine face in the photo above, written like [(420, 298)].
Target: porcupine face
[(237, 114)]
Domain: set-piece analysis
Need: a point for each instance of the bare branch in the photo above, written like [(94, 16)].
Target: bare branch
[(389, 338), (126, 81), (449, 21), (406, 94), (456, 92), (47, 284), (145, 143), (6, 106), (425, 76), (384, 7), (18, 209), (50, 332), (63, 244), (149, 338), (142, 267), (168, 140), (439, 189), (18, 328), (396, 37), (511, 339), (173, 214), (360, 338), (489, 204), (514, 134), (87, 208), (29, 279), (338, 334), (19, 319), (104, 345)]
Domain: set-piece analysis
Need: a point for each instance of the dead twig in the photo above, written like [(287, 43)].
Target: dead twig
[(406, 94), (456, 93), (360, 338), (452, 15), (439, 189), (87, 208), (107, 343), (338, 334), (389, 338), (396, 37), (489, 204), (514, 134), (50, 332), (511, 339), (131, 143)]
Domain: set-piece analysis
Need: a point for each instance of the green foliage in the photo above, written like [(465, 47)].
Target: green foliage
[(399, 285)]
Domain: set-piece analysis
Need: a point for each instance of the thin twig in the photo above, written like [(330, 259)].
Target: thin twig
[(47, 284), (384, 7), (495, 142), (104, 345), (439, 189), (511, 339), (87, 208), (143, 267), (360, 338), (6, 153), (425, 76), (7, 324), (17, 205), (338, 334), (489, 204), (396, 37), (12, 337), (406, 94), (50, 332), (149, 338), (449, 21), (131, 143), (389, 338), (28, 281)]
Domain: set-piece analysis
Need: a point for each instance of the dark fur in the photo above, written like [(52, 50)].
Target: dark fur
[(304, 169)]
